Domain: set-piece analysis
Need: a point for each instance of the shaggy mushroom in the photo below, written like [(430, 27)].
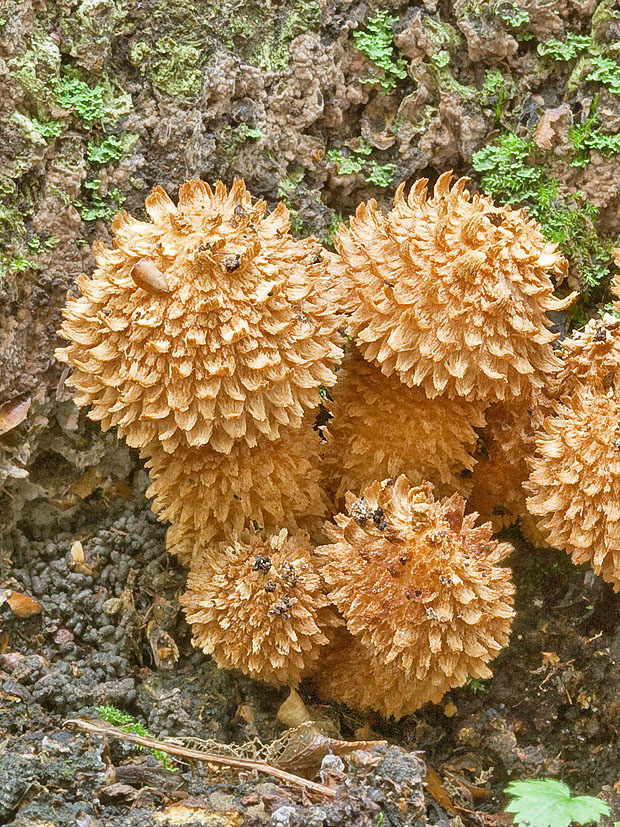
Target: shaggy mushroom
[(590, 355), (204, 326), (257, 605), (451, 293), (418, 585), (508, 438), (211, 496), (575, 479), (380, 428)]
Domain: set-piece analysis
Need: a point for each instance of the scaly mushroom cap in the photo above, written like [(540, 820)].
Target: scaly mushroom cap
[(451, 292), (575, 480), (508, 438), (418, 585), (274, 485), (205, 326), (590, 355), (351, 674), (257, 605), (380, 428)]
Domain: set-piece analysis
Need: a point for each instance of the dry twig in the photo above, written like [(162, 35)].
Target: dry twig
[(198, 755)]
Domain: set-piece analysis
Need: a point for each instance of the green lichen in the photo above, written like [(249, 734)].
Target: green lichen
[(110, 148), (174, 66), (376, 41), (355, 159), (102, 103), (96, 205), (512, 13), (37, 71)]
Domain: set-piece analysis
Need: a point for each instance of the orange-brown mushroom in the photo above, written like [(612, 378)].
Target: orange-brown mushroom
[(205, 326), (380, 428), (451, 293), (575, 479), (257, 605), (418, 585), (506, 441), (590, 355), (211, 496)]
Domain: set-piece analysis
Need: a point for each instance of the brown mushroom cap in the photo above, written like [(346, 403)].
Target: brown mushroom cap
[(575, 480), (418, 586), (451, 292), (275, 485), (207, 325), (257, 605), (380, 428)]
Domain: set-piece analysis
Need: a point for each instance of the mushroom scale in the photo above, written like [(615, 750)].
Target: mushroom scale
[(380, 428), (257, 605), (575, 479)]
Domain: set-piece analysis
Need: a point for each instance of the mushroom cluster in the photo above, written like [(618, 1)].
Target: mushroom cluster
[(208, 336)]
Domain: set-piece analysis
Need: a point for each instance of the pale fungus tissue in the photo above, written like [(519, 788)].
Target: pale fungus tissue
[(381, 428), (451, 292), (257, 605), (575, 479), (419, 586)]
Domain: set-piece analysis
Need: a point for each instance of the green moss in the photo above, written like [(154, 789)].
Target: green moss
[(376, 41), (512, 173), (37, 71), (127, 722)]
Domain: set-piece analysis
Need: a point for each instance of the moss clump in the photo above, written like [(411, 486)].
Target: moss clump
[(510, 174), (127, 722), (175, 67)]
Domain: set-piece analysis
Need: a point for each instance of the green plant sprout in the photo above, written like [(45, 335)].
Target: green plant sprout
[(47, 129), (494, 88), (376, 41), (545, 802), (126, 722)]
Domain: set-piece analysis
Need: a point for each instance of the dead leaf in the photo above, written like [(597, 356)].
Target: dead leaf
[(552, 124), (435, 787), (13, 413), (550, 659), (79, 563), (293, 712), (165, 651), (22, 605)]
